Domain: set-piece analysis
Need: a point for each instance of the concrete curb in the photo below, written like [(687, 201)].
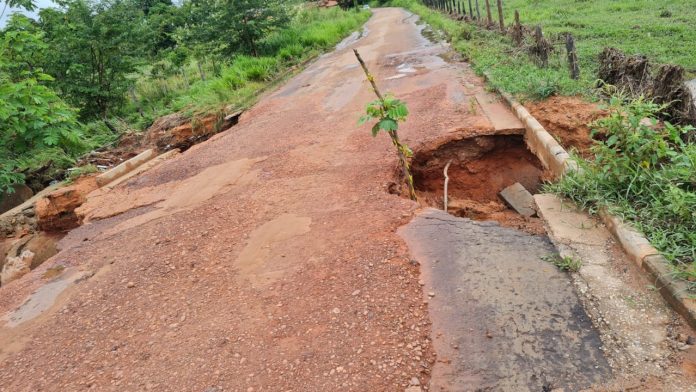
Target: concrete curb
[(555, 158), (125, 167)]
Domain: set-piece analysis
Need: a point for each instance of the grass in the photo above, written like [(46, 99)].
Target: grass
[(564, 263), (237, 82), (634, 26), (662, 30)]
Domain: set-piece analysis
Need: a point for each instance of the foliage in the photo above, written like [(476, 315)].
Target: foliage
[(34, 121), (564, 263), (388, 111), (93, 51), (242, 23), (646, 173)]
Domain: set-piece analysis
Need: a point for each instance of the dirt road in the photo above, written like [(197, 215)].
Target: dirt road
[(266, 258)]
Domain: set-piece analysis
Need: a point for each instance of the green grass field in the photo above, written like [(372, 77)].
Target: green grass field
[(665, 30)]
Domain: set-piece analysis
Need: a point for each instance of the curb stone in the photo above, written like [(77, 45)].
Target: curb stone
[(554, 157)]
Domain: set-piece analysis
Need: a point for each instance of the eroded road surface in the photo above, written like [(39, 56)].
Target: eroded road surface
[(267, 258)]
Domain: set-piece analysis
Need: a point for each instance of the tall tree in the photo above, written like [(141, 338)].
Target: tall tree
[(230, 26), (95, 46)]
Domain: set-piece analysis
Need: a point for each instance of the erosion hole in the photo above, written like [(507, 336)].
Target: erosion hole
[(481, 167)]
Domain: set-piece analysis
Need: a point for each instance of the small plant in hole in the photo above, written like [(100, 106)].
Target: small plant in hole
[(564, 263), (389, 111)]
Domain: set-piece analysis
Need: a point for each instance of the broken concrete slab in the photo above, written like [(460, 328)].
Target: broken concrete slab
[(125, 167), (519, 199), (500, 116)]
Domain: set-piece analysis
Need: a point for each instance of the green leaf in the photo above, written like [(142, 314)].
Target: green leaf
[(388, 124)]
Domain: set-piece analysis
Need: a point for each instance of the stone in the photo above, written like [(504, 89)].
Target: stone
[(56, 211), (20, 194), (16, 267), (413, 388), (415, 381), (691, 341), (519, 199)]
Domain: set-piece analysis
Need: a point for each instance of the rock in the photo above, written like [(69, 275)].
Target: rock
[(354, 293), (413, 388), (130, 285), (43, 245), (415, 381), (16, 267), (691, 341), (10, 200), (177, 131), (56, 211), (336, 310), (431, 294), (519, 199)]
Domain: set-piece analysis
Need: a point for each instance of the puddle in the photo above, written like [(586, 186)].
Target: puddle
[(480, 168), (353, 38)]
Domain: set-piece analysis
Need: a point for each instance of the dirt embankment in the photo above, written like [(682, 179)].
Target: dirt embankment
[(568, 119)]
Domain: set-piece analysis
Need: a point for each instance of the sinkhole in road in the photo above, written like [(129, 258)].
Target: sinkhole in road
[(480, 168)]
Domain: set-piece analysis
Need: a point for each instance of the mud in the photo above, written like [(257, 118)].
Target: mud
[(480, 168), (568, 119)]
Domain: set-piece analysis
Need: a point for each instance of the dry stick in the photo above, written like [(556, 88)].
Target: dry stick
[(446, 182), (488, 12), (500, 16), (393, 134)]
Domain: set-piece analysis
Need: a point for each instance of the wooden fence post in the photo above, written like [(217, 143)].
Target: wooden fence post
[(488, 12), (542, 47), (471, 11), (500, 16), (572, 57), (517, 34)]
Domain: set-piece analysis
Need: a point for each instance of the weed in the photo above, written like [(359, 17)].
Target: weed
[(564, 263), (389, 111)]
